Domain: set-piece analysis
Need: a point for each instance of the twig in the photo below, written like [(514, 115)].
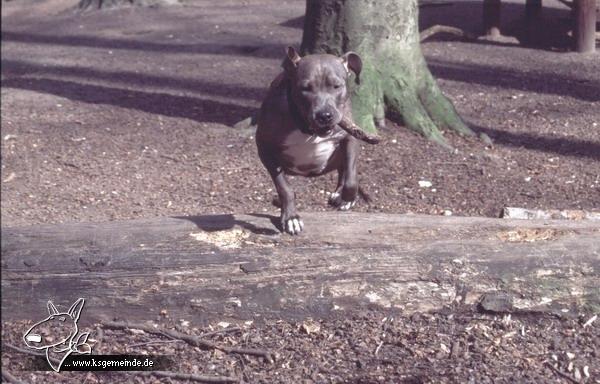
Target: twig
[(378, 348), (348, 125), (562, 374), (190, 376), (155, 342), (225, 330), (191, 340), (168, 157), (27, 351), (10, 378), (244, 374), (590, 321), (427, 33)]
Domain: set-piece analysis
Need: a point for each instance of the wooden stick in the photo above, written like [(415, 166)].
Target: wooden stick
[(427, 33), (10, 378), (154, 342), (190, 376), (220, 331), (190, 339), (348, 125), (27, 351), (562, 374)]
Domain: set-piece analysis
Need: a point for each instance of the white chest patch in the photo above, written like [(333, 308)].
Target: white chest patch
[(309, 154)]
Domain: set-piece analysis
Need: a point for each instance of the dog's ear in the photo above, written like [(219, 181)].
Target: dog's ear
[(353, 63), (291, 60), (76, 308), (52, 309)]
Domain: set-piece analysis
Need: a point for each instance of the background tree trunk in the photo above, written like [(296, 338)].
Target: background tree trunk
[(585, 25), (395, 77)]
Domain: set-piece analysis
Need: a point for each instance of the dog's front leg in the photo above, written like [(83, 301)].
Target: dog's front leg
[(290, 221), (346, 193)]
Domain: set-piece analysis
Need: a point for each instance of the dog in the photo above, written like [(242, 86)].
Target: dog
[(298, 131), (59, 335)]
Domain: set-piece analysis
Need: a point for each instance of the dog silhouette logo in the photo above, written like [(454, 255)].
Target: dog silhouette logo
[(59, 335)]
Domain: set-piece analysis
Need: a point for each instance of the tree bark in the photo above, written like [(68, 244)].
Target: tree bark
[(208, 267), (491, 18), (395, 77), (533, 18), (585, 25)]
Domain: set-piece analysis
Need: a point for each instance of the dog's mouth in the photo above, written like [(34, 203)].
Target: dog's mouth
[(324, 131)]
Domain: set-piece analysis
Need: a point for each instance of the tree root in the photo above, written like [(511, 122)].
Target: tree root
[(190, 339), (417, 100), (440, 109), (403, 101), (427, 33)]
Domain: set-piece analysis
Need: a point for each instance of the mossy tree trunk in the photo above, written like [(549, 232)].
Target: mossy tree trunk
[(395, 77)]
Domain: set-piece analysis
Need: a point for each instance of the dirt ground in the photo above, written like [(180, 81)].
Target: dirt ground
[(457, 346), (129, 113)]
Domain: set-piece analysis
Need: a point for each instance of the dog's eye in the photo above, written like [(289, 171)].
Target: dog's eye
[(337, 86)]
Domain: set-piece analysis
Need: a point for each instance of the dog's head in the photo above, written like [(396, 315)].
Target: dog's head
[(318, 86)]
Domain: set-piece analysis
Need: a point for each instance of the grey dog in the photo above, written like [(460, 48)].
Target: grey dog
[(298, 132)]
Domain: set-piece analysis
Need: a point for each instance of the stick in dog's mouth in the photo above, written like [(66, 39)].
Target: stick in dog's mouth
[(348, 125)]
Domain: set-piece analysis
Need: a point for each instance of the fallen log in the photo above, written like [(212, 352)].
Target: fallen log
[(240, 266)]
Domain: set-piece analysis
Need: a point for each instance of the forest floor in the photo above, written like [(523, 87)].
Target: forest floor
[(128, 113)]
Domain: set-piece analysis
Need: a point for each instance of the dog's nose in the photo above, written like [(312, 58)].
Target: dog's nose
[(34, 338), (324, 117)]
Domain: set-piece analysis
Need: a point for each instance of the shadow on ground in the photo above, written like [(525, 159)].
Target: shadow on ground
[(556, 145), (258, 50), (153, 102), (548, 83), (213, 223)]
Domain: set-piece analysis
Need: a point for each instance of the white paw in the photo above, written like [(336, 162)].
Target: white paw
[(336, 200), (293, 226), (346, 205)]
